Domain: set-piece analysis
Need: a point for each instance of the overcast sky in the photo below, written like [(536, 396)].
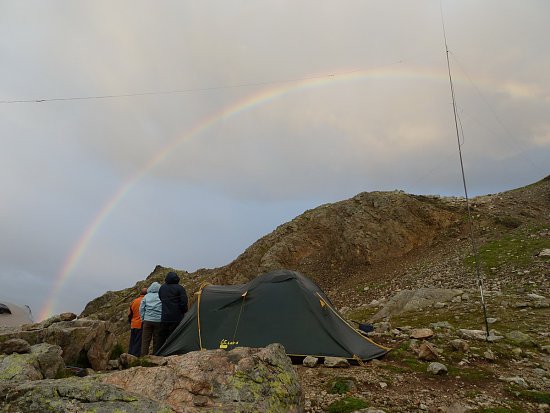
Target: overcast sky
[(242, 115)]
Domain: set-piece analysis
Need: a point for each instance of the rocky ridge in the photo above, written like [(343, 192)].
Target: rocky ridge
[(378, 256)]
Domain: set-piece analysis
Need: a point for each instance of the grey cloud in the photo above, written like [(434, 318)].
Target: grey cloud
[(217, 191)]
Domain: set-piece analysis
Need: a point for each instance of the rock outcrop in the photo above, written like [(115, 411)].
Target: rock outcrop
[(44, 361), (243, 380), (72, 395), (84, 342), (411, 300)]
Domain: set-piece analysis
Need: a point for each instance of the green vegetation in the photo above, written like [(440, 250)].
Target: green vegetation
[(470, 374), (508, 221), (519, 251), (341, 385), (415, 365), (400, 352), (361, 314), (500, 410), (347, 404), (64, 373), (534, 396), (116, 352)]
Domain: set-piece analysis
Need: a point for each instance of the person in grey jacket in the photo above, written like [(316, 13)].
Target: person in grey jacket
[(151, 313)]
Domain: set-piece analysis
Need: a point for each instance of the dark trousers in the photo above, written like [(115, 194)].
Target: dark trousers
[(151, 330), (135, 342), (165, 330)]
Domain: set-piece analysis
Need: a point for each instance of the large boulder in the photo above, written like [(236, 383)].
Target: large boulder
[(15, 345), (85, 342), (43, 361), (411, 300), (243, 380), (72, 395)]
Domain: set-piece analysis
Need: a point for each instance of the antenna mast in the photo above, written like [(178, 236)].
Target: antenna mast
[(470, 224)]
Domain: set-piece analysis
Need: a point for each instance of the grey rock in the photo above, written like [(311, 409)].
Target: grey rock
[(437, 368), (460, 345), (515, 380), (472, 334), (441, 324), (480, 335), (310, 361), (455, 408), (153, 360), (382, 327), (44, 361), (519, 338), (335, 362), (427, 352), (67, 316), (15, 345), (49, 358), (545, 253), (540, 372), (533, 296), (114, 364), (420, 333), (127, 359), (80, 338), (73, 395), (411, 300)]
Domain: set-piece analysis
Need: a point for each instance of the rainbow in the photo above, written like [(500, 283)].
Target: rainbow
[(268, 94)]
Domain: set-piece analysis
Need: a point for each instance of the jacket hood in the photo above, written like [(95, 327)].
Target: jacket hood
[(172, 278), (153, 288)]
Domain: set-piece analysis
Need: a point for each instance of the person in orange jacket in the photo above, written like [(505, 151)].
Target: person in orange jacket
[(135, 325)]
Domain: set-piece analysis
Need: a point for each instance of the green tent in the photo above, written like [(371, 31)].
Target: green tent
[(277, 307)]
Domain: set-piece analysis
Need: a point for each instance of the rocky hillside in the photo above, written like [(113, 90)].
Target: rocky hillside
[(373, 242), (330, 244), (378, 245)]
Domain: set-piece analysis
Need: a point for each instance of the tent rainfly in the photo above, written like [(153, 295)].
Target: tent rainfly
[(12, 315), (277, 307)]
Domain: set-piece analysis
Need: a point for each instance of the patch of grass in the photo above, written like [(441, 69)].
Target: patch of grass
[(400, 352), (415, 365), (533, 396), (361, 314), (64, 373), (347, 404), (394, 368), (470, 374), (509, 250), (341, 385), (116, 352), (508, 221), (499, 410)]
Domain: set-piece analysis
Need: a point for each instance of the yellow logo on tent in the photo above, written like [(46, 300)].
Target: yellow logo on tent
[(225, 343)]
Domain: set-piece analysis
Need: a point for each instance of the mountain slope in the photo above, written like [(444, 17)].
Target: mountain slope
[(369, 246)]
